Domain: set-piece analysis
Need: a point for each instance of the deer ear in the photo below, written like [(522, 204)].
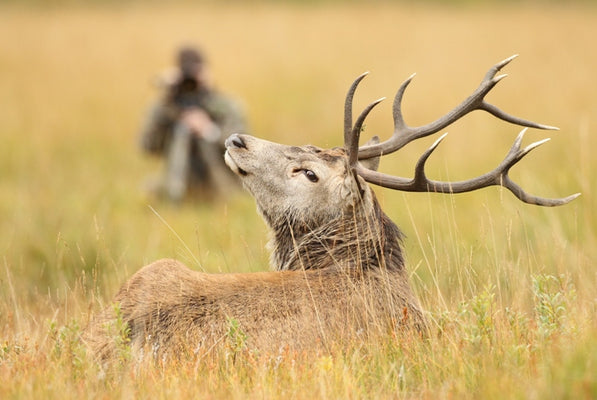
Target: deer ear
[(352, 189), (371, 163)]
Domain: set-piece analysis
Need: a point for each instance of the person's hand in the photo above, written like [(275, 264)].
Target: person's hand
[(197, 120), (201, 124)]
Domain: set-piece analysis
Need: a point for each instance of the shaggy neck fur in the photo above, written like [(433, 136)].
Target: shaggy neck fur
[(354, 239)]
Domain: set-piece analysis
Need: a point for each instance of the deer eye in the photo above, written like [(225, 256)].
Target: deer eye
[(310, 175)]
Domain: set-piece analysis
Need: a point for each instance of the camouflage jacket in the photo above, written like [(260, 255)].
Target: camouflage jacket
[(157, 131)]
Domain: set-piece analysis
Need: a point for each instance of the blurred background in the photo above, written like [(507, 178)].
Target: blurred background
[(76, 80)]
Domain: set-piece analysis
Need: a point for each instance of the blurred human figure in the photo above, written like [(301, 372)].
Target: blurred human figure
[(188, 126)]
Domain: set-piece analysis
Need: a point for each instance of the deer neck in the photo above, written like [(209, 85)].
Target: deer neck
[(355, 239)]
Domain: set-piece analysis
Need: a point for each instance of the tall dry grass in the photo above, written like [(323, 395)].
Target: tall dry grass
[(511, 287)]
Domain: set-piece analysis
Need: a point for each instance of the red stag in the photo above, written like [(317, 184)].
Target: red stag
[(338, 268)]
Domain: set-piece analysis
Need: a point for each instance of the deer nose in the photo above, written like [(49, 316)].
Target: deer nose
[(235, 140)]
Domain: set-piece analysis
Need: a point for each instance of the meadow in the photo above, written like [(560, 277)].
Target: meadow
[(510, 287)]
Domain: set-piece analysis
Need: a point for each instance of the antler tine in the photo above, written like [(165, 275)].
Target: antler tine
[(496, 112), (399, 124), (404, 134), (498, 67), (498, 176), (348, 110), (353, 150), (539, 201), (420, 178)]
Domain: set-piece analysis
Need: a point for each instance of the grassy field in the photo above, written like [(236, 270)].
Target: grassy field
[(510, 287)]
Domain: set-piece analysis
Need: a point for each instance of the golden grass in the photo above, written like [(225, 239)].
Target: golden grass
[(74, 83)]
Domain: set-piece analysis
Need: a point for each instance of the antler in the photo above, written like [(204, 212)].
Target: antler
[(404, 134)]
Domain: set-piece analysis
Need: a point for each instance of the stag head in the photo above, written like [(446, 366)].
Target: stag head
[(315, 181)]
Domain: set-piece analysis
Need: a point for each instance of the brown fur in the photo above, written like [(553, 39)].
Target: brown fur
[(338, 269)]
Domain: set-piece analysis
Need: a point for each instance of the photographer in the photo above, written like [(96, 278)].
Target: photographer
[(187, 127)]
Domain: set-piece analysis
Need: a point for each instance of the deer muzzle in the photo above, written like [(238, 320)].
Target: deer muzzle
[(235, 143)]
